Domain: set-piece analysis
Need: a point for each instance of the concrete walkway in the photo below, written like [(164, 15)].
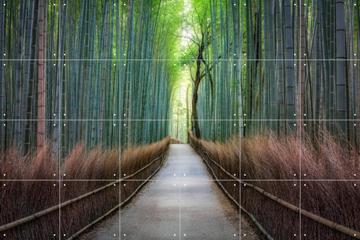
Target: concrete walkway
[(181, 202)]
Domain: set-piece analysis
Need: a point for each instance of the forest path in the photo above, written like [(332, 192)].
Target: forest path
[(181, 202)]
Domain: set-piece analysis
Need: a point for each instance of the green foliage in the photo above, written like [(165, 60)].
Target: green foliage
[(107, 74)]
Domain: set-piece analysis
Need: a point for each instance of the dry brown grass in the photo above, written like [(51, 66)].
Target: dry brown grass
[(175, 141), (273, 163), (37, 186)]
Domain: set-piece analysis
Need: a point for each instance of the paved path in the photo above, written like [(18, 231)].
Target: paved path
[(181, 202)]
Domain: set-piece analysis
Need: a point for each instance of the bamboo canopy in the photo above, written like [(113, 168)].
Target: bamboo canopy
[(84, 71)]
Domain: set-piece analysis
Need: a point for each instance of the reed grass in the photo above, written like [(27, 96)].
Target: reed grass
[(31, 183), (329, 185)]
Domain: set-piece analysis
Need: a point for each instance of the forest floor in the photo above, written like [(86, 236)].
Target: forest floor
[(181, 202)]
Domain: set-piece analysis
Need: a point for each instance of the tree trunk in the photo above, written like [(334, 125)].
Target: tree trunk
[(198, 77), (341, 96), (40, 140), (301, 81)]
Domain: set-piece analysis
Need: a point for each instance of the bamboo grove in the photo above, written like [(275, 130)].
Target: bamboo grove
[(103, 72), (285, 66), (84, 71)]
